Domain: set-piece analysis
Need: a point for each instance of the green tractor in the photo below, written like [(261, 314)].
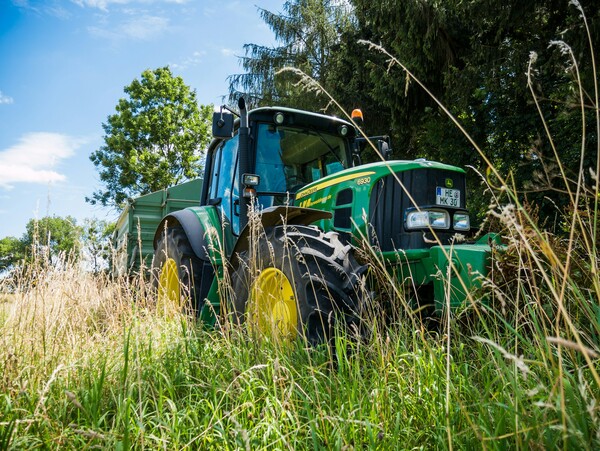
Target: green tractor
[(285, 204)]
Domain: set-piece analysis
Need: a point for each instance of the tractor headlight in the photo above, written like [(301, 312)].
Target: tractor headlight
[(417, 219), (461, 221), (436, 219)]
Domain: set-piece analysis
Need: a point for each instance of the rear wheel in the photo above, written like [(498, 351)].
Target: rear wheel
[(175, 273), (296, 280)]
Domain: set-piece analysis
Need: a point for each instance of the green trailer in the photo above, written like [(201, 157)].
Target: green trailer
[(139, 220)]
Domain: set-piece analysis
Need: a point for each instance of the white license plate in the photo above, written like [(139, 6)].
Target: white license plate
[(447, 197)]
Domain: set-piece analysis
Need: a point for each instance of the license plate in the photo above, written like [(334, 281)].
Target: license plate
[(447, 197)]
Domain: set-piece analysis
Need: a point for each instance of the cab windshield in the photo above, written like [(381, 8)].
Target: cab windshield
[(288, 158)]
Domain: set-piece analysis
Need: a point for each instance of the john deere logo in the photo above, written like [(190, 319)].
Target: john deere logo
[(449, 183)]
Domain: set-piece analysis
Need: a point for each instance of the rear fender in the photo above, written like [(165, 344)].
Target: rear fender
[(209, 238), (279, 215)]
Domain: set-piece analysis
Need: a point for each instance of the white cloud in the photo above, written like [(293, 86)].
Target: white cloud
[(52, 9), (104, 4), (227, 52), (34, 157), (100, 4), (142, 28), (190, 61), (4, 99), (145, 27)]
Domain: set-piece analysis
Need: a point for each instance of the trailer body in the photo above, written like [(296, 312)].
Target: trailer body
[(137, 224)]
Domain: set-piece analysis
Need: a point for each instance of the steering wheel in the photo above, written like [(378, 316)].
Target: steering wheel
[(294, 183)]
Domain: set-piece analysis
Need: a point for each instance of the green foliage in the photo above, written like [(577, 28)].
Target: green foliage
[(12, 251), (145, 382), (474, 57), (153, 141), (96, 240), (52, 237), (308, 31)]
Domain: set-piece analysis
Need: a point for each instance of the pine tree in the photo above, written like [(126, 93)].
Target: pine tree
[(307, 31)]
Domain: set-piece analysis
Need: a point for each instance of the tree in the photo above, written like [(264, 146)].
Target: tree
[(96, 240), (308, 30), (474, 57), (52, 238), (153, 141), (12, 251)]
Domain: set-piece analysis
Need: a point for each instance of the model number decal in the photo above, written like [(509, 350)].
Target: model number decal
[(363, 181)]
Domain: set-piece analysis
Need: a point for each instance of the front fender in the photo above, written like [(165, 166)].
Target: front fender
[(280, 215), (209, 238)]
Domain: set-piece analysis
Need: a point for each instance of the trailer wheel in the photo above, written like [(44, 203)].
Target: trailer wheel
[(297, 281), (175, 273)]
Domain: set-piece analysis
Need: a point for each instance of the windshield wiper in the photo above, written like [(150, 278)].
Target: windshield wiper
[(331, 150)]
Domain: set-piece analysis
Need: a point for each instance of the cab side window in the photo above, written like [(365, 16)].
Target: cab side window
[(224, 185)]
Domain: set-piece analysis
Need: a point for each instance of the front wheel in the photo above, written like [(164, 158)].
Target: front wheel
[(297, 280), (175, 273)]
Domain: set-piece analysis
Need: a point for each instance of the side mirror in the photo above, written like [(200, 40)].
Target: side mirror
[(384, 149), (222, 126)]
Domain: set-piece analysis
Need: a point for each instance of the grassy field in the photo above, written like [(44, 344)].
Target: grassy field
[(86, 362)]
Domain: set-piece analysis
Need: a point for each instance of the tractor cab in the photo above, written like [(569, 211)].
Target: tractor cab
[(286, 149)]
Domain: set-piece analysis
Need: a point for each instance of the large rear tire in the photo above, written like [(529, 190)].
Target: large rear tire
[(176, 273), (297, 281)]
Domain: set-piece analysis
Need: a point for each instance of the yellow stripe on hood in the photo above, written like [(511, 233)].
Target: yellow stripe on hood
[(328, 183)]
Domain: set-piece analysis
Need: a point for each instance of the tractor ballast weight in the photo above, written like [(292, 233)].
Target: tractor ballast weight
[(315, 206)]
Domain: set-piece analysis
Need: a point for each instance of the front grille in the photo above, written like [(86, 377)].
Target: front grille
[(389, 202)]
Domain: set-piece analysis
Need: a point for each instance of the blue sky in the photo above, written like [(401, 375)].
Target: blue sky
[(63, 66)]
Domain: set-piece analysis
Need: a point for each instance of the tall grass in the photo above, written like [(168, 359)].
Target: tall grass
[(86, 361), (83, 365)]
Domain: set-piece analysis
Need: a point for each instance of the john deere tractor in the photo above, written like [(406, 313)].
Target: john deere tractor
[(285, 204)]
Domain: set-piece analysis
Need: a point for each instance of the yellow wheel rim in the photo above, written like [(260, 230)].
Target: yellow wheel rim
[(169, 287), (273, 305)]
